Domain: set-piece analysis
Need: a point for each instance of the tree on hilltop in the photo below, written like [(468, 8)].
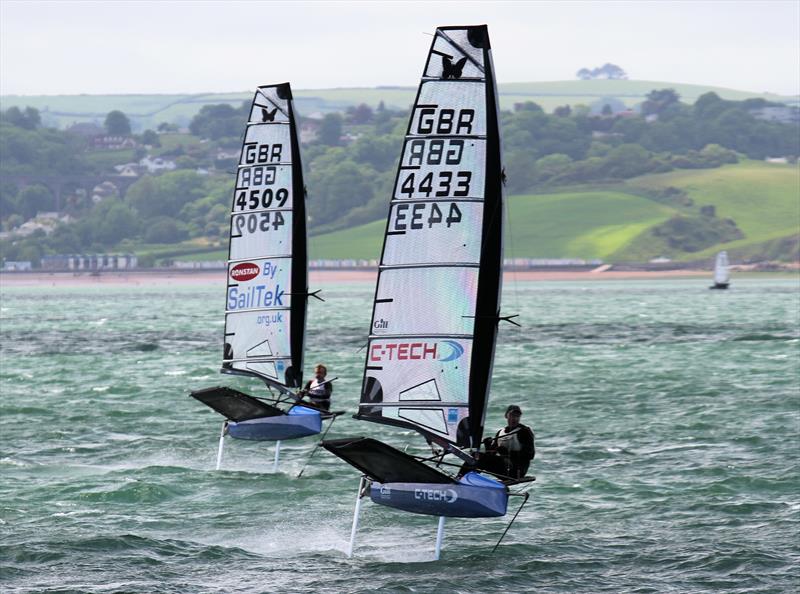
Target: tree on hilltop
[(607, 70), (117, 124)]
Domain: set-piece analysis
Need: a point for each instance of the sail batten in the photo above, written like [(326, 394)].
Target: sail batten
[(436, 302), (265, 308)]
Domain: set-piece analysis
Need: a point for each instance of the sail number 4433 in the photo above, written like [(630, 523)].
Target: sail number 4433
[(440, 184), (416, 216)]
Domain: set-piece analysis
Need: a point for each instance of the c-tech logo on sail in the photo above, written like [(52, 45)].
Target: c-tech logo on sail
[(445, 350)]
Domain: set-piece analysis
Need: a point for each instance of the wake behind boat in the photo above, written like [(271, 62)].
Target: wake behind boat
[(437, 301), (267, 287)]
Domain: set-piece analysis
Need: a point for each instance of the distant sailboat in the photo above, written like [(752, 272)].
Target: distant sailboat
[(436, 308), (721, 272), (267, 287)]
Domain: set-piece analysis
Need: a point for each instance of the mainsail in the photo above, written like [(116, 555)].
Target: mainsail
[(436, 307), (265, 307), (721, 274)]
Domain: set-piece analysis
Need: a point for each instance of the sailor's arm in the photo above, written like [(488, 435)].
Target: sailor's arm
[(525, 438)]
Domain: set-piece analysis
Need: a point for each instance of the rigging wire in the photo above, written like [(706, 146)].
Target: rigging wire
[(514, 279)]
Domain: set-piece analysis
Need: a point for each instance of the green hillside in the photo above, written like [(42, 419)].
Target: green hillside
[(147, 111), (362, 242), (763, 199), (568, 225)]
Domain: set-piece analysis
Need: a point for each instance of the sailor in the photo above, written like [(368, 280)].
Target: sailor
[(317, 390), (513, 445)]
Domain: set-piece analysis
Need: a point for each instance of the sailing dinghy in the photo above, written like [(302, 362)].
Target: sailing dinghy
[(267, 282), (722, 275), (437, 301)]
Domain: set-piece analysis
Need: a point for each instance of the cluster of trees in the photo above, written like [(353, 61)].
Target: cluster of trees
[(573, 146), (160, 209), (609, 71), (350, 167), (695, 233)]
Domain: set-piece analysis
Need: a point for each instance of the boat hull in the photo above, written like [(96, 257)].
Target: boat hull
[(474, 496), (719, 286), (299, 422)]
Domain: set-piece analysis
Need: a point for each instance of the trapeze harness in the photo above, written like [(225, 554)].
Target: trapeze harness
[(320, 396)]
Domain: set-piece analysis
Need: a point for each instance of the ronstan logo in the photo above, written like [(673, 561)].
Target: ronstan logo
[(245, 271)]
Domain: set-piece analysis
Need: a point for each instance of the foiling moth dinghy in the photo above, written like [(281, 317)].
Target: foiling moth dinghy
[(722, 275), (267, 282), (437, 301)]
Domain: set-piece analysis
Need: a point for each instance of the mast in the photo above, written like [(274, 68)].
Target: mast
[(267, 289), (436, 307)]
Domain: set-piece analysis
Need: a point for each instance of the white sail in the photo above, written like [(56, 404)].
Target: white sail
[(721, 273), (267, 272), (436, 304)]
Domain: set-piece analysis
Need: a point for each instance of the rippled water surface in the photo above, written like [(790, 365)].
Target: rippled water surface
[(666, 418)]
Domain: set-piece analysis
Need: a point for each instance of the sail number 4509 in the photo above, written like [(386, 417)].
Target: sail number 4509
[(258, 222), (253, 199), (422, 213)]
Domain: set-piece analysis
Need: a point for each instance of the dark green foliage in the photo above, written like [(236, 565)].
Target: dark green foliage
[(562, 111), (339, 187), (40, 151), (166, 194), (28, 119), (111, 221), (35, 199), (220, 121), (164, 230), (330, 131), (694, 233), (608, 70), (658, 101), (151, 138), (117, 124), (360, 114)]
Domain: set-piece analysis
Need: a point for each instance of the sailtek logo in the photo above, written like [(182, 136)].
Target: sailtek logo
[(245, 271)]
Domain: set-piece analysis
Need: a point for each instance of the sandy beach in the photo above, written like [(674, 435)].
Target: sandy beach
[(217, 277)]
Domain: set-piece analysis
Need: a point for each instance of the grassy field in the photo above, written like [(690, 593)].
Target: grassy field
[(147, 111), (571, 225), (763, 199), (578, 224), (613, 224), (364, 241)]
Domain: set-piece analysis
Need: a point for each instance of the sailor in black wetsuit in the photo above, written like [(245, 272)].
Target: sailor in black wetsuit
[(510, 451), (318, 392)]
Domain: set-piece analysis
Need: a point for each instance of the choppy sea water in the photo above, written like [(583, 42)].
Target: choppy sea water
[(667, 422)]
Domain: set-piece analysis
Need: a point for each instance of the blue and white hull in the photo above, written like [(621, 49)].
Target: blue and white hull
[(298, 422), (473, 496)]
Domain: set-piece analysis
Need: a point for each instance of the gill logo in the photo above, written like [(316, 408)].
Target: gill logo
[(457, 351)]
